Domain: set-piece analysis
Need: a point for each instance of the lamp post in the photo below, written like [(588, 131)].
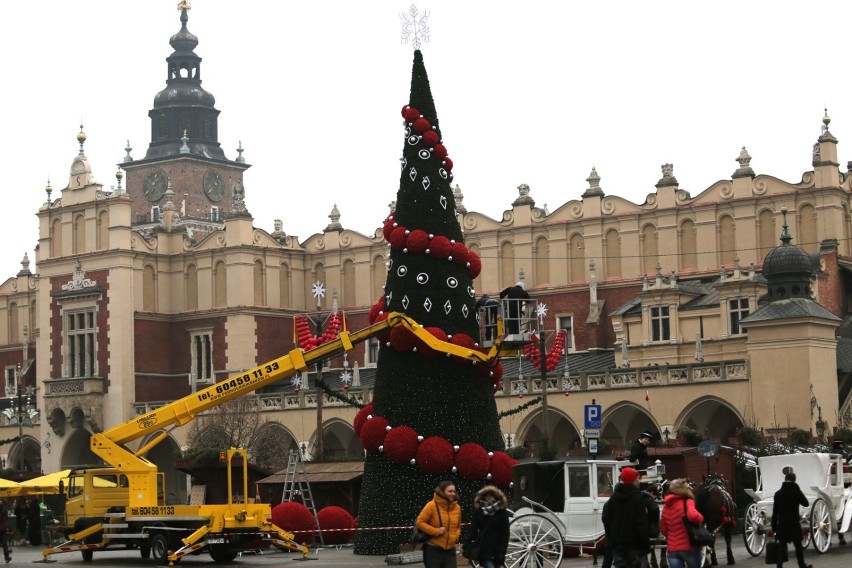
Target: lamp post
[(20, 410)]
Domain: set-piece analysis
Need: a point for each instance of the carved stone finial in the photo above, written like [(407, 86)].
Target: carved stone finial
[(335, 220), (668, 178), (238, 191), (744, 160), (240, 158), (458, 196), (594, 184), (25, 266), (127, 149), (523, 196)]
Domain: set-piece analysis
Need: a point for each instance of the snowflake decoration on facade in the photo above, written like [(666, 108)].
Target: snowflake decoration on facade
[(318, 290), (296, 382), (521, 389), (415, 27), (540, 310), (346, 378), (567, 385)]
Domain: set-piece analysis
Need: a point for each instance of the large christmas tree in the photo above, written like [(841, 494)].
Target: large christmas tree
[(433, 417)]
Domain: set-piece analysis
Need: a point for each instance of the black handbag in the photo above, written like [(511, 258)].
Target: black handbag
[(418, 536), (698, 534), (773, 549)]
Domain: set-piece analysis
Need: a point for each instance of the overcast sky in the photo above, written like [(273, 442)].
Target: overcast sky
[(526, 92)]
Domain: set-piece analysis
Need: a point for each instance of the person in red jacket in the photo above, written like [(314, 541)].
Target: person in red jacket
[(679, 502)]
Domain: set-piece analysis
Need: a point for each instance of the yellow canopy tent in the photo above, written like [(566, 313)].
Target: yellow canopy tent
[(46, 484), (9, 488)]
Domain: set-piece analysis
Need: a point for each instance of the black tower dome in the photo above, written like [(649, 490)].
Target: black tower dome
[(184, 108), (788, 269)]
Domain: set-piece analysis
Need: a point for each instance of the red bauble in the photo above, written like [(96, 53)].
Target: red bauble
[(424, 349), (463, 340), (501, 469), (472, 461), (297, 518), (388, 227), (459, 252), (435, 455), (421, 125), (498, 372), (410, 114), (474, 264), (361, 418), (401, 445), (440, 151), (448, 164), (402, 339), (377, 307), (331, 520), (418, 241), (398, 238), (430, 137), (440, 247), (384, 336), (373, 433)]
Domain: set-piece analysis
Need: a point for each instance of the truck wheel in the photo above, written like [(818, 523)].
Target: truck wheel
[(145, 550), (220, 553), (160, 548), (87, 555)]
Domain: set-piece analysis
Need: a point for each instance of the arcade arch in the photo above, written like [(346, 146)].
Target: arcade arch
[(562, 433), (163, 456), (76, 451), (31, 453), (711, 416), (622, 424), (339, 441)]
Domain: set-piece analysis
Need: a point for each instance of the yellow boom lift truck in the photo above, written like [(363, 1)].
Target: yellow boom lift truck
[(122, 504)]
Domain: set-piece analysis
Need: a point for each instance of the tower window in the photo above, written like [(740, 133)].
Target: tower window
[(660, 324), (208, 128), (162, 126), (214, 214), (738, 309), (186, 125), (155, 214)]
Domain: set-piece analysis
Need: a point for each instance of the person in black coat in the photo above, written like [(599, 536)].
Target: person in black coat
[(34, 523), (786, 518), (639, 451), (625, 520), (488, 536), (487, 307), (515, 294)]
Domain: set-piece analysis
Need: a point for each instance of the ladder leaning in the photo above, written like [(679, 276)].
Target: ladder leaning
[(296, 484)]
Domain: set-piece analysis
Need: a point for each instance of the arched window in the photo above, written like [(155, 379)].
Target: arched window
[(259, 277), (13, 323), (284, 285), (650, 256), (220, 285), (508, 275), (727, 240), (149, 289), (208, 128), (688, 245), (162, 126), (766, 237), (577, 258), (78, 234), (808, 238), (348, 276), (542, 261), (103, 230), (191, 283), (56, 238), (612, 252), (186, 125)]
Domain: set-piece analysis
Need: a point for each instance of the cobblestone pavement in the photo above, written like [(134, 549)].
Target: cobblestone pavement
[(836, 557)]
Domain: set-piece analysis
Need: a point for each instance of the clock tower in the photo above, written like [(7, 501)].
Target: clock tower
[(184, 154)]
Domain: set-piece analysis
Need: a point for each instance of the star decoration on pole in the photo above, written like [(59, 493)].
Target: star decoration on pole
[(541, 312), (296, 382), (318, 291)]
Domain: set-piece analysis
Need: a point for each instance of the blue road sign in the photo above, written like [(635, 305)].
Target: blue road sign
[(592, 416), (708, 448)]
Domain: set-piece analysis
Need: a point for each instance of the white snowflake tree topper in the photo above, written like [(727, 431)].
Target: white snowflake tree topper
[(540, 311), (318, 291), (415, 26)]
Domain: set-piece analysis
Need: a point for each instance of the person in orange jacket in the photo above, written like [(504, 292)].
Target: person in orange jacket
[(441, 520)]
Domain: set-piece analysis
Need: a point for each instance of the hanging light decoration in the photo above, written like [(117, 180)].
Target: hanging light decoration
[(346, 373)]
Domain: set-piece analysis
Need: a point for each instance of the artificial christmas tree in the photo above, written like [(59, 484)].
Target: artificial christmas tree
[(433, 417)]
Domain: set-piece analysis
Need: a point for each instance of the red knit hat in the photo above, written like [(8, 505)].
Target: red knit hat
[(629, 475)]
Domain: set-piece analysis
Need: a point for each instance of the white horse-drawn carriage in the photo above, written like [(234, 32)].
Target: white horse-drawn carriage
[(558, 504), (824, 479)]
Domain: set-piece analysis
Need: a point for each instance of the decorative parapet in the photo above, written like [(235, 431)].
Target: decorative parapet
[(71, 387)]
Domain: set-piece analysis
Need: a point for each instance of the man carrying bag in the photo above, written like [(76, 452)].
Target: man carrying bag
[(785, 520)]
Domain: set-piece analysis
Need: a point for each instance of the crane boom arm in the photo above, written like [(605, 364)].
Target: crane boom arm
[(185, 409)]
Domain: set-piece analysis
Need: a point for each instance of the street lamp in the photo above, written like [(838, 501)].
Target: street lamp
[(821, 425), (21, 410)]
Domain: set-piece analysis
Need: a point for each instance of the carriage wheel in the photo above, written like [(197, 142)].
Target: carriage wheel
[(754, 532), (821, 525), (534, 542)]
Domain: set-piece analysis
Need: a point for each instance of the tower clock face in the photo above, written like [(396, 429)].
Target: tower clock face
[(214, 185), (155, 184)]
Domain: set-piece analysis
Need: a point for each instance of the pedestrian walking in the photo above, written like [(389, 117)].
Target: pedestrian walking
[(625, 520), (786, 522), (4, 530), (680, 502), (488, 536), (440, 518)]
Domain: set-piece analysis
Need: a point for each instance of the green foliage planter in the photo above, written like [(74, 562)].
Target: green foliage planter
[(687, 436)]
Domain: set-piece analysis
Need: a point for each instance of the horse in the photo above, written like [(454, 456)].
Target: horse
[(713, 500)]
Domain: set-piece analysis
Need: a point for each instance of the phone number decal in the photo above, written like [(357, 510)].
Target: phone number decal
[(152, 510)]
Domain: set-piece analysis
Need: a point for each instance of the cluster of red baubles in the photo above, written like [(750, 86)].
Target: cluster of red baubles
[(336, 524), (308, 340), (532, 352), (438, 246), (434, 455), (404, 341), (428, 134)]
